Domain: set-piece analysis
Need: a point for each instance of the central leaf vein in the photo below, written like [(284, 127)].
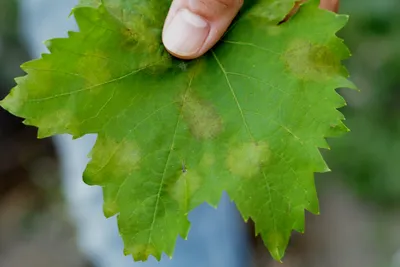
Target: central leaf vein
[(167, 163)]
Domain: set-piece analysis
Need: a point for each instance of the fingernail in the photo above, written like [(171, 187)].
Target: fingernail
[(186, 33)]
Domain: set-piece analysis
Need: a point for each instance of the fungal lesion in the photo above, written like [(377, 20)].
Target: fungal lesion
[(110, 206), (200, 116), (310, 61), (62, 120), (129, 37), (140, 252), (112, 161), (247, 159), (84, 66), (186, 184)]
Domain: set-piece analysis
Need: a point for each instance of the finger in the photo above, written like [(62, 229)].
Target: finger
[(192, 27), (332, 5)]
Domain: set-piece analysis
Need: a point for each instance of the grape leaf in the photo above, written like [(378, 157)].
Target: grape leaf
[(248, 117)]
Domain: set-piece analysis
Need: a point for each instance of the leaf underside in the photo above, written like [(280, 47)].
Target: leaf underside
[(248, 117)]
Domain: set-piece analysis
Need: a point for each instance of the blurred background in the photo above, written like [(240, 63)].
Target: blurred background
[(359, 225)]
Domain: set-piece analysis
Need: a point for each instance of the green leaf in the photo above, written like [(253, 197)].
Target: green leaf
[(246, 118)]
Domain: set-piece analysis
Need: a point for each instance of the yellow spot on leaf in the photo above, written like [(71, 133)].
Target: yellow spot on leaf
[(95, 67), (201, 117), (207, 160), (55, 122), (110, 206), (185, 186), (141, 252), (309, 61), (247, 159), (275, 241), (16, 98), (112, 161)]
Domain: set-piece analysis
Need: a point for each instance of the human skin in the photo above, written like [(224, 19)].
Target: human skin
[(192, 27)]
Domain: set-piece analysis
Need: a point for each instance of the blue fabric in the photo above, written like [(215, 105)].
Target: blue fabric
[(218, 236)]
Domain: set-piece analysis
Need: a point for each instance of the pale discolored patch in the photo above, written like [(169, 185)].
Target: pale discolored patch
[(185, 186), (60, 121), (275, 241), (201, 117), (309, 61), (247, 159), (94, 67), (142, 252), (110, 206), (129, 38), (112, 161), (207, 160), (17, 98)]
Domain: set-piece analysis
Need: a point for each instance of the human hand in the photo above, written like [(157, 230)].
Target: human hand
[(193, 27)]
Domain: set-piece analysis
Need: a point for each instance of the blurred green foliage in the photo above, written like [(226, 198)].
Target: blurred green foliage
[(369, 157), (12, 53), (8, 21)]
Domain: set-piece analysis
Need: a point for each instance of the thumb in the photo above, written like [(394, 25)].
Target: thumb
[(192, 27)]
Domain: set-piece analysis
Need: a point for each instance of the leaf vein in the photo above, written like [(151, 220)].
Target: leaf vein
[(37, 100), (251, 45), (233, 94), (166, 164)]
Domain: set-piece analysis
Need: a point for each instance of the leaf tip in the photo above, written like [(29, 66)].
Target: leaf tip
[(278, 254), (110, 209), (48, 44), (87, 178)]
